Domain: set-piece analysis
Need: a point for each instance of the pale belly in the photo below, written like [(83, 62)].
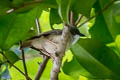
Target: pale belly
[(49, 45)]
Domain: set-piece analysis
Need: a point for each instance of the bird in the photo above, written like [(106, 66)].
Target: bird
[(47, 42)]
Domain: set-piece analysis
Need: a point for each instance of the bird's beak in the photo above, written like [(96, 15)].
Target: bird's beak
[(82, 35)]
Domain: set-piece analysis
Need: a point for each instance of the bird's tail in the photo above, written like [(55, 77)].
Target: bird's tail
[(26, 44)]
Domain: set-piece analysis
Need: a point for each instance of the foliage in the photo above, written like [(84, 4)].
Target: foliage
[(97, 57)]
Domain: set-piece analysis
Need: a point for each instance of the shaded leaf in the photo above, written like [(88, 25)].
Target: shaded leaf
[(82, 6), (100, 29), (17, 27), (75, 70), (109, 15), (4, 6), (17, 3), (64, 8), (43, 4), (54, 17), (12, 57), (97, 59)]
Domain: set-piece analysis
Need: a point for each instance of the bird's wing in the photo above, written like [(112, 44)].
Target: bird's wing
[(46, 46), (27, 43), (56, 32)]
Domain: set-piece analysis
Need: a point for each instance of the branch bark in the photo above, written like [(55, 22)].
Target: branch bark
[(60, 51), (42, 67)]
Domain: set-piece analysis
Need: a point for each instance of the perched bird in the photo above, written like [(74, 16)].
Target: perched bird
[(47, 42)]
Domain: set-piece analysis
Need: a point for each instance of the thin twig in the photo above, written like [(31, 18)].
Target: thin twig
[(13, 65), (38, 26), (78, 20), (72, 18), (98, 13), (42, 67), (24, 64)]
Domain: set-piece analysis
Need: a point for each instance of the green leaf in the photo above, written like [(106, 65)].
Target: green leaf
[(74, 69), (117, 42), (97, 59), (110, 15), (115, 45), (100, 30), (4, 6), (17, 3), (15, 27), (116, 14), (64, 9), (14, 30), (54, 17), (27, 5), (12, 57), (50, 3), (82, 6)]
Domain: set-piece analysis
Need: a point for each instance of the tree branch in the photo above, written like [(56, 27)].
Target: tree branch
[(24, 64), (60, 51), (14, 65), (98, 13), (42, 67)]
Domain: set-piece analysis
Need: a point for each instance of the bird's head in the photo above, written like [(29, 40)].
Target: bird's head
[(74, 31)]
